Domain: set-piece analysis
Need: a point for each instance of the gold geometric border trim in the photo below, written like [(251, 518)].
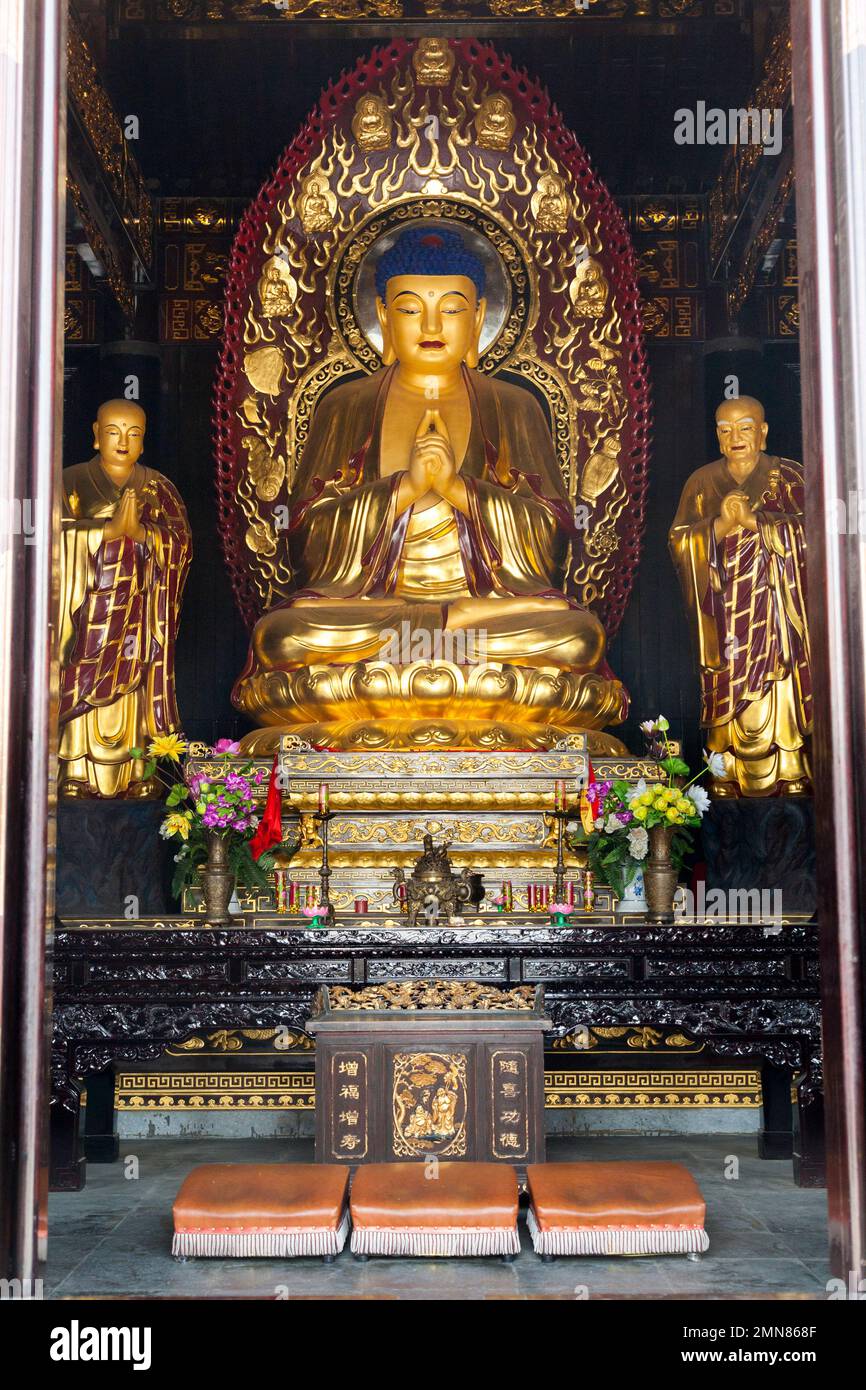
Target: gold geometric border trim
[(734, 1088), (208, 1090), (738, 1087)]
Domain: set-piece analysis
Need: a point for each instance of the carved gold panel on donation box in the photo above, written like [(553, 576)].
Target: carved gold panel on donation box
[(430, 1103), (445, 133)]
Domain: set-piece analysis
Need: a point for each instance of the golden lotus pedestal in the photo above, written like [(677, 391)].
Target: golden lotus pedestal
[(495, 807), (430, 705)]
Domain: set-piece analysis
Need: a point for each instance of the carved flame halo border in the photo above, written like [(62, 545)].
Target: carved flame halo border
[(607, 579)]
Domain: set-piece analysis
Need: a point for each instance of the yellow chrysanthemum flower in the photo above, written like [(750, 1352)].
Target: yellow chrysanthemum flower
[(640, 812), (672, 813), (167, 746), (660, 804), (176, 824)]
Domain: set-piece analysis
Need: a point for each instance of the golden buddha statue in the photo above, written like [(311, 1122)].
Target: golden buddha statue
[(315, 207), (372, 123), (739, 547), (278, 289), (589, 289), (495, 123), (550, 204), (429, 502), (125, 553)]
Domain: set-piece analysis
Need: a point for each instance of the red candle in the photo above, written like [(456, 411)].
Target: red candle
[(569, 892), (294, 895), (323, 798), (361, 904)]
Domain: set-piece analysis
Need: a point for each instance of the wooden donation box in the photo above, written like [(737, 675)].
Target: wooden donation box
[(420, 1069)]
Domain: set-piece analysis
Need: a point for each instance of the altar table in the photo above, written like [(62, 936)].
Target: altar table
[(123, 992), (425, 1083)]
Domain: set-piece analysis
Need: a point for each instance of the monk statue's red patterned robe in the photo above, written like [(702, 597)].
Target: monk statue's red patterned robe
[(746, 597), (119, 612)]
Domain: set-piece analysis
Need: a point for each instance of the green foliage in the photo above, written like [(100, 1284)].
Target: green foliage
[(681, 847), (674, 767), (610, 861), (286, 850), (192, 858)]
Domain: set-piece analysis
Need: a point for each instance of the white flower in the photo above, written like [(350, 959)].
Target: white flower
[(611, 824), (637, 790), (716, 763), (648, 727), (700, 798), (662, 724), (638, 842)]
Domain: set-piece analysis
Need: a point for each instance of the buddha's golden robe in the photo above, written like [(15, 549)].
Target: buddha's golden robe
[(119, 611), (746, 598), (362, 570)]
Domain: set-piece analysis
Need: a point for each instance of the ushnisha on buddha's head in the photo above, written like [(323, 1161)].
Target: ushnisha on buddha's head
[(118, 433), (741, 428), (430, 302)]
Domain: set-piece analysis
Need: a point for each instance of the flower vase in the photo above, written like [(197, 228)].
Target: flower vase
[(218, 880), (634, 898), (660, 875)]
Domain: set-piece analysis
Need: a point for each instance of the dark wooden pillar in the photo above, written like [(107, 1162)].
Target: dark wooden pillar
[(101, 1144), (31, 381), (775, 1138), (829, 50)]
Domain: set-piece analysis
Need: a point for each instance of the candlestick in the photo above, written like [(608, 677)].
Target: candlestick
[(561, 815), (588, 892), (281, 889), (508, 895), (294, 896), (559, 795), (325, 870)]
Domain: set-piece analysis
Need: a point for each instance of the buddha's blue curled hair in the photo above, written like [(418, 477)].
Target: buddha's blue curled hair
[(419, 251)]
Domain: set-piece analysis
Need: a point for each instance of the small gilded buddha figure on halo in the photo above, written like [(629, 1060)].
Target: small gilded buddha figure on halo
[(125, 553), (739, 547), (428, 493)]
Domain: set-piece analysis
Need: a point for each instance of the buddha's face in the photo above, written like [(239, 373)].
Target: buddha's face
[(118, 432), (741, 430), (431, 322)]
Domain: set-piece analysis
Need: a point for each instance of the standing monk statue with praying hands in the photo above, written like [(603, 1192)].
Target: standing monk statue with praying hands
[(739, 547), (125, 553)]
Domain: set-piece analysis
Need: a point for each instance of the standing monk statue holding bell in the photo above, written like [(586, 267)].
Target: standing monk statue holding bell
[(739, 547), (125, 553)]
